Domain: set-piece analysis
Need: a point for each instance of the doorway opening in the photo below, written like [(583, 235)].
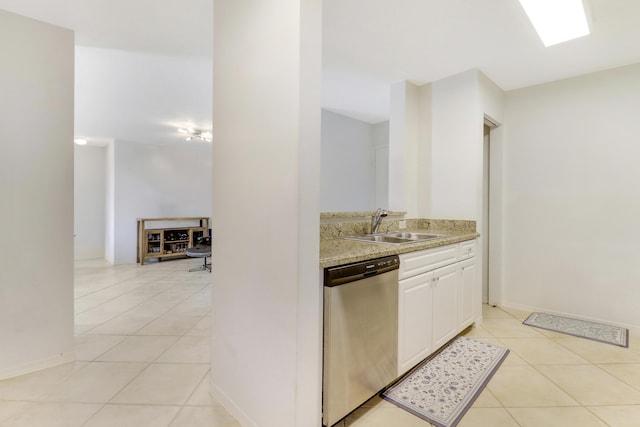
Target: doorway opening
[(488, 216)]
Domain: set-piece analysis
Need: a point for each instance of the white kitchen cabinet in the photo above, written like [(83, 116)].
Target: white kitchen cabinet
[(436, 299), (414, 263), (414, 320), (467, 250), (445, 304), (467, 295)]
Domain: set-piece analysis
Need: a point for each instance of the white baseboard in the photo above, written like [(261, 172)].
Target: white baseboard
[(38, 365), (232, 408)]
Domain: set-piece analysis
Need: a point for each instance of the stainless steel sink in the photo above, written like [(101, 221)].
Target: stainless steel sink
[(398, 238), (415, 236), (379, 238)]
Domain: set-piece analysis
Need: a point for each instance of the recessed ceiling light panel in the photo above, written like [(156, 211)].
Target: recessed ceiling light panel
[(80, 141), (557, 21)]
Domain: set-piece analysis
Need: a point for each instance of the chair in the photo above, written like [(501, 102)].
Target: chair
[(202, 249)]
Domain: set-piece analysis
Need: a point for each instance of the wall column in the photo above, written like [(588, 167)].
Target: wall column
[(410, 149), (266, 302), (36, 189)]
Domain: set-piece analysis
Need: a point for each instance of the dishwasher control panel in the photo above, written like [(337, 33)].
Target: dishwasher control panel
[(341, 274)]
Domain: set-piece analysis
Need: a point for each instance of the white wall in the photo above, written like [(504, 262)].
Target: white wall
[(457, 123), (347, 179), (90, 186), (459, 106), (410, 149), (266, 302), (404, 141), (492, 108), (115, 95), (380, 134), (436, 145), (423, 153), (436, 151), (110, 208), (36, 188), (152, 181), (571, 196), (117, 183), (380, 140)]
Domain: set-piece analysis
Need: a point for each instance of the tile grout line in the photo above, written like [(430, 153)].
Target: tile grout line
[(502, 406), (130, 309), (533, 367), (148, 365)]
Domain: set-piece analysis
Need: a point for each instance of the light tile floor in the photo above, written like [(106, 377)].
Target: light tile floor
[(548, 379), (142, 346)]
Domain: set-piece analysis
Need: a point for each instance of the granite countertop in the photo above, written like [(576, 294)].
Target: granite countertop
[(338, 251)]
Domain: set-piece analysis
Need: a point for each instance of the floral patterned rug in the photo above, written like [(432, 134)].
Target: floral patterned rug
[(580, 328), (443, 387)]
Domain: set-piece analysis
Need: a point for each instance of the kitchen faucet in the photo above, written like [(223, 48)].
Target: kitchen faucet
[(376, 219)]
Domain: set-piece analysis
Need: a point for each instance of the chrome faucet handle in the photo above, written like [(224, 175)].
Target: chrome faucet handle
[(376, 219)]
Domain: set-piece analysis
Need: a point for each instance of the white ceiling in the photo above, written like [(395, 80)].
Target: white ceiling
[(181, 27), (143, 67), (367, 45)]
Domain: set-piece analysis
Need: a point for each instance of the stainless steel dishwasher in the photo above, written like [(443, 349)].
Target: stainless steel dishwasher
[(360, 334)]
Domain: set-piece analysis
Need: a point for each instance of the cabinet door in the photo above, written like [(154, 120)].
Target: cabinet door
[(445, 304), (152, 242), (467, 292), (415, 303)]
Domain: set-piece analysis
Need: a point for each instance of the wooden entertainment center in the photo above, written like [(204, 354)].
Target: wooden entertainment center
[(169, 241)]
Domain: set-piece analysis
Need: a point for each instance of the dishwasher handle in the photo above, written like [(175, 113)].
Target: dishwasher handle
[(340, 275)]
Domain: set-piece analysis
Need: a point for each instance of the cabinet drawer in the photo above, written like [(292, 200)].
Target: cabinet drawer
[(467, 249), (414, 263)]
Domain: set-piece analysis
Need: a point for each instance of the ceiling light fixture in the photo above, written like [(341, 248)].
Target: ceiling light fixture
[(557, 21), (80, 141), (192, 133)]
